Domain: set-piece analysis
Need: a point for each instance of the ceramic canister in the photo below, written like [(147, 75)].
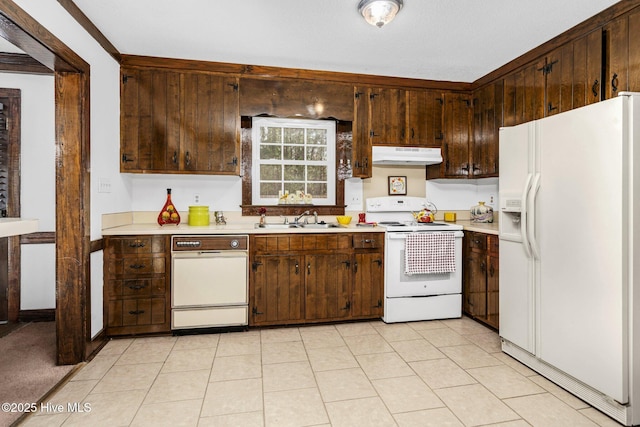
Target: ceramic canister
[(481, 213), (199, 215)]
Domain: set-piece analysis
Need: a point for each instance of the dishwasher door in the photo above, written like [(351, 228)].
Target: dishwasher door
[(209, 289)]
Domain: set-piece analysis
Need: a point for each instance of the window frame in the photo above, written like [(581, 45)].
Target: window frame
[(294, 123)]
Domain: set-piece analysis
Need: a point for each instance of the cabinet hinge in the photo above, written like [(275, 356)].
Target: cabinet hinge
[(372, 96), (255, 311), (255, 265), (358, 94), (234, 85), (439, 135), (440, 100), (547, 68), (234, 161), (125, 78), (126, 159)]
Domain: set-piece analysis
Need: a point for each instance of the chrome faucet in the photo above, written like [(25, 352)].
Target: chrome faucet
[(297, 219), (315, 217)]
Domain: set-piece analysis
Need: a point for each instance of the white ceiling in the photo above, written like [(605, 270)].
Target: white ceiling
[(454, 40)]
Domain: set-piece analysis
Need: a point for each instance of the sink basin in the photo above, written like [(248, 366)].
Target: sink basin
[(320, 225), (278, 225)]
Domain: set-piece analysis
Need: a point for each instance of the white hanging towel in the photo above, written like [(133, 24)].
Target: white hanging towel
[(429, 252)]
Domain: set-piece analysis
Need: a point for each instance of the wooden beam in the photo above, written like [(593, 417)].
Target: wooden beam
[(90, 27), (72, 198), (21, 63), (41, 237), (19, 28), (243, 70)]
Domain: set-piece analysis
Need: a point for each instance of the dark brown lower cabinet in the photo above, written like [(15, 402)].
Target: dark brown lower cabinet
[(307, 278), (480, 287), (137, 297)]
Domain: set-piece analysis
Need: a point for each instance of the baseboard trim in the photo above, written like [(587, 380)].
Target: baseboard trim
[(41, 315)]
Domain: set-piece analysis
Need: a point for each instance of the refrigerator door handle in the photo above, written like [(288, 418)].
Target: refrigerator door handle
[(524, 216), (531, 232)]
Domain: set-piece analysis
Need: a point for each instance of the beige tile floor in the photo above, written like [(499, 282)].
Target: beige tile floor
[(435, 373)]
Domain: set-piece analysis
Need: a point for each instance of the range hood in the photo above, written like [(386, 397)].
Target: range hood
[(407, 156)]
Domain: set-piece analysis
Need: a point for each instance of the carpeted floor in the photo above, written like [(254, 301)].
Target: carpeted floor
[(28, 366)]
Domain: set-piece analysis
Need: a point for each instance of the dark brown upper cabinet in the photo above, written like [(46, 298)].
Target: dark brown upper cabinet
[(179, 122), (622, 60), (487, 119), (296, 98), (456, 143), (361, 142)]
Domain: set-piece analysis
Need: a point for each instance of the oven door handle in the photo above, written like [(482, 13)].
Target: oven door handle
[(402, 235)]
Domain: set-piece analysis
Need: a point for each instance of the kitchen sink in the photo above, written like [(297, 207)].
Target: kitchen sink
[(278, 225), (320, 225)]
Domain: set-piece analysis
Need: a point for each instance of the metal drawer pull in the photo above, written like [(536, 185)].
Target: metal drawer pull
[(137, 287), (136, 244), (136, 312), (368, 241), (308, 268), (136, 266)]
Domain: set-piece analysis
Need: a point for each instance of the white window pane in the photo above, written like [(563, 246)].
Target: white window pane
[(317, 154), (270, 152), (293, 152), (293, 136), (271, 134), (294, 173)]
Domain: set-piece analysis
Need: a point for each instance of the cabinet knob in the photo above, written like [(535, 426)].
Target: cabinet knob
[(614, 82), (136, 312), (594, 88)]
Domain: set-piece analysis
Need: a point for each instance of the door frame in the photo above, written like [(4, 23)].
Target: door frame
[(72, 165)]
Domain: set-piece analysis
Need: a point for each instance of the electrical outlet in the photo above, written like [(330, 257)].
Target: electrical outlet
[(355, 199), (196, 198), (104, 185), (491, 199)]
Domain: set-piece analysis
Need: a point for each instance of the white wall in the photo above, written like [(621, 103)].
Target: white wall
[(462, 194), (105, 143)]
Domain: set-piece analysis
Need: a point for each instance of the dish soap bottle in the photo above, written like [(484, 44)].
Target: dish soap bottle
[(169, 214)]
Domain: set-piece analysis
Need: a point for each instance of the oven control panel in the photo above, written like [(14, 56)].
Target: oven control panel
[(210, 243)]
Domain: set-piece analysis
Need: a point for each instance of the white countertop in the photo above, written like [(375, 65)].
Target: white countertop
[(17, 226), (134, 223), (239, 228)]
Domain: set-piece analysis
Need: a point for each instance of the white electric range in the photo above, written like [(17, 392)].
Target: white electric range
[(411, 296)]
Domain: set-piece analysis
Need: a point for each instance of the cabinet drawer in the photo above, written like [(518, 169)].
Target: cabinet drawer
[(137, 287), (136, 312), (138, 266), (368, 240), (138, 245)]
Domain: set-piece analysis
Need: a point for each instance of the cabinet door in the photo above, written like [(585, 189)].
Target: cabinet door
[(150, 122), (387, 122), (616, 36), (634, 52), (210, 124), (368, 285), (587, 69), (493, 291), (327, 286), (475, 285), (487, 119), (424, 118), (457, 135), (361, 149), (277, 292)]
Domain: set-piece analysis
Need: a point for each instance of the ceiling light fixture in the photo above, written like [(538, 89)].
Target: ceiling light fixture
[(379, 12)]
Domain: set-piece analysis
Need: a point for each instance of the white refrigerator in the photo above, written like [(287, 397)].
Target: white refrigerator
[(569, 222)]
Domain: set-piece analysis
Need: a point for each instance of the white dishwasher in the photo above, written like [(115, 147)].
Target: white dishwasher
[(209, 281)]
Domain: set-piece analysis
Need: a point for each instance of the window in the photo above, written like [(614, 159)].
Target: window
[(293, 156)]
